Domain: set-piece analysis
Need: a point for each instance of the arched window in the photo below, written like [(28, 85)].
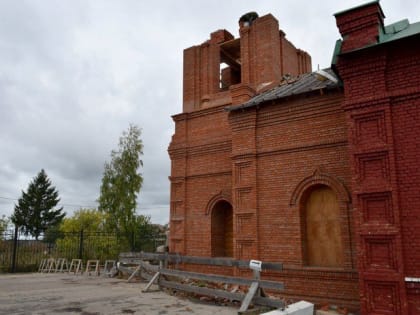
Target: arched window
[(323, 245), (222, 230)]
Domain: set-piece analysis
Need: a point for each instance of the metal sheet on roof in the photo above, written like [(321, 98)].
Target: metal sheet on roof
[(393, 32), (303, 84), (399, 30)]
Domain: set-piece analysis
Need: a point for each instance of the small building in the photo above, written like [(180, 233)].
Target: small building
[(317, 170)]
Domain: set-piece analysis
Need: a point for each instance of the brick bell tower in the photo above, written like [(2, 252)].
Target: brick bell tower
[(221, 71), (260, 57)]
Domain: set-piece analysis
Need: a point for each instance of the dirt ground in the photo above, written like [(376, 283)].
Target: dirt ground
[(90, 295)]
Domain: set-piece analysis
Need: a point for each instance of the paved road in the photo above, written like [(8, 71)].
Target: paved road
[(90, 295)]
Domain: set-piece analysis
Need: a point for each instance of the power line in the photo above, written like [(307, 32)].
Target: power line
[(145, 207), (76, 206), (62, 204), (7, 198)]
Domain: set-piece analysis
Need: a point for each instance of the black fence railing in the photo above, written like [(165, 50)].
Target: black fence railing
[(19, 253)]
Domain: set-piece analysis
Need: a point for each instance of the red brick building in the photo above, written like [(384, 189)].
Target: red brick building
[(317, 170)]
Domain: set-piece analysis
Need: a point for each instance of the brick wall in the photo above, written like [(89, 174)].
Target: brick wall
[(382, 99), (362, 143), (278, 152), (241, 158), (262, 161)]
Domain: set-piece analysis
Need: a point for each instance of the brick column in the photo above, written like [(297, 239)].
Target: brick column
[(178, 154), (244, 184), (375, 190), (374, 183)]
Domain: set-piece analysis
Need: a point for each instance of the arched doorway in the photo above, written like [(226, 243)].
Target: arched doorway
[(222, 229), (322, 228)]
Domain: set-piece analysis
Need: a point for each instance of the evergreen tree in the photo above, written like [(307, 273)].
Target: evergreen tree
[(121, 184), (35, 211)]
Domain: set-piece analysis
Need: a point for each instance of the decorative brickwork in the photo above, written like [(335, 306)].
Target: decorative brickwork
[(381, 90), (252, 176)]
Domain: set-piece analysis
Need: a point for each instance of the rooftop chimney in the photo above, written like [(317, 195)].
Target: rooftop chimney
[(360, 26)]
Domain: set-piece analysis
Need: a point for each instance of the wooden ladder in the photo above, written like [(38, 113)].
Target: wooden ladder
[(77, 265), (42, 265), (48, 265), (61, 265), (92, 265)]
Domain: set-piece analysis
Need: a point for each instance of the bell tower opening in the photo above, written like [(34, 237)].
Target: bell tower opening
[(230, 63)]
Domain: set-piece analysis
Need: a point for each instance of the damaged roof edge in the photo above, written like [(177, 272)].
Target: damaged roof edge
[(314, 81)]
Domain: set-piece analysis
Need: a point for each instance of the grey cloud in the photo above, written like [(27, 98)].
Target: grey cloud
[(75, 74)]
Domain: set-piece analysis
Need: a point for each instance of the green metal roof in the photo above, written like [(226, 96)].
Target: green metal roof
[(396, 31), (337, 49)]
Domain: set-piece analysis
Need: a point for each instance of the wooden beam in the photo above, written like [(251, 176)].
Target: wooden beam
[(273, 285), (229, 59), (220, 293), (249, 296), (154, 278), (134, 273), (135, 258), (202, 290)]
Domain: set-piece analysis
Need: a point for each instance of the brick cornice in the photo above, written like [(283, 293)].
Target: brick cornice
[(244, 156), (177, 152), (200, 112), (303, 147), (318, 273), (183, 150), (303, 111), (209, 174), (365, 102), (208, 148), (382, 99), (243, 120)]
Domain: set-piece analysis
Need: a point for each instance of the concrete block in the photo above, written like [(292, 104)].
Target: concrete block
[(299, 308)]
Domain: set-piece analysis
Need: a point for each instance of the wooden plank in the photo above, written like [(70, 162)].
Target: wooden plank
[(149, 267), (202, 290), (323, 234), (135, 258), (156, 276), (273, 285), (130, 254), (134, 273), (125, 269), (249, 296), (143, 274), (145, 265), (219, 293)]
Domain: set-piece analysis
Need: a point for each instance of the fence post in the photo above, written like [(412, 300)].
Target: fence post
[(132, 241), (15, 244), (81, 244)]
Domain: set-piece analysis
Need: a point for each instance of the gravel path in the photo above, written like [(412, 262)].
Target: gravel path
[(90, 295)]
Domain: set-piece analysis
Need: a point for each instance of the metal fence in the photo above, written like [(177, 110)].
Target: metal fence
[(19, 253)]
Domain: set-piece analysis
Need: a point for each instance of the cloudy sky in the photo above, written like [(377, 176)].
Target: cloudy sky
[(75, 73)]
